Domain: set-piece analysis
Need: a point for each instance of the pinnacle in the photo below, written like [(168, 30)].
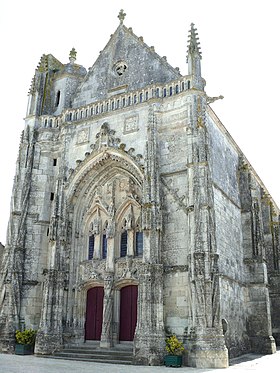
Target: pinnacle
[(193, 42)]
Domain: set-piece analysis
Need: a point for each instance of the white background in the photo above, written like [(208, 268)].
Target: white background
[(240, 60)]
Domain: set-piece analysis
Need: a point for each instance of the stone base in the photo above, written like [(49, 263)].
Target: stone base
[(263, 345), (208, 359), (7, 345), (106, 344), (7, 339), (149, 350), (207, 350), (47, 343)]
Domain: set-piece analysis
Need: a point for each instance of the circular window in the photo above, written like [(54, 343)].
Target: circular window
[(120, 68)]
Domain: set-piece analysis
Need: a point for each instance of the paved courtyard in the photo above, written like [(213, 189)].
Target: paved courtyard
[(31, 364)]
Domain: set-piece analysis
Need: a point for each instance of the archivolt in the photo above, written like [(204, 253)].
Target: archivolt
[(97, 169)]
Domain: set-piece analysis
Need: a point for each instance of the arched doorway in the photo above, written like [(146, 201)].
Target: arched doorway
[(128, 312), (94, 313)]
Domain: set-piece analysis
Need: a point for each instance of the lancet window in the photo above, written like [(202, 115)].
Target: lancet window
[(128, 237), (123, 248), (104, 241), (138, 239), (114, 225), (90, 247)]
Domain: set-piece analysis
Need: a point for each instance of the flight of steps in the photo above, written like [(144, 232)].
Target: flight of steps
[(90, 351)]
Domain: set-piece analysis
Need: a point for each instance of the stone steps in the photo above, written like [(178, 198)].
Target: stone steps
[(122, 354)]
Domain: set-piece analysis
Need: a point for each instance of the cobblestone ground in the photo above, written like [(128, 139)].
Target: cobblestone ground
[(31, 364)]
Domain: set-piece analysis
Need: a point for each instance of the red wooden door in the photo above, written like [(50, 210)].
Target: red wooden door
[(128, 312), (94, 313)]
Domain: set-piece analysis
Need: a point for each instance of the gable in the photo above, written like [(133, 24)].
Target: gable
[(125, 64)]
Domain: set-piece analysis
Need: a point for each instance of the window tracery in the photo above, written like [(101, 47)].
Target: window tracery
[(115, 217)]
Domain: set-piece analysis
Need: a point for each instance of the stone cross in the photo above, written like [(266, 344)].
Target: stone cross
[(121, 15)]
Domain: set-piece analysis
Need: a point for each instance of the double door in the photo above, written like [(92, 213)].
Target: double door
[(128, 313)]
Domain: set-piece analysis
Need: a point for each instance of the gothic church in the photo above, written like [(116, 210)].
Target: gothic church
[(135, 215)]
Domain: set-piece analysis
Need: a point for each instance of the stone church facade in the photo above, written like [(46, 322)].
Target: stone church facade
[(135, 215)]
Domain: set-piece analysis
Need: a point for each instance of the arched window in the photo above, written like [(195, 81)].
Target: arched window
[(57, 99), (170, 91), (90, 247), (164, 92), (104, 246), (123, 102), (104, 241), (134, 99), (189, 84), (129, 100), (123, 248), (177, 89), (183, 86), (147, 95), (139, 243), (157, 92), (141, 97)]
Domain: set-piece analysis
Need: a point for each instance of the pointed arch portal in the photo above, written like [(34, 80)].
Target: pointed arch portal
[(128, 312), (94, 313)]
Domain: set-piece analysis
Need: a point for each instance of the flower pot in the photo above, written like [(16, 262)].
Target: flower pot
[(173, 361), (21, 349)]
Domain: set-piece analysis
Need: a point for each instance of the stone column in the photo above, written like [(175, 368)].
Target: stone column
[(49, 336), (149, 336), (97, 247), (107, 326), (206, 344), (130, 242)]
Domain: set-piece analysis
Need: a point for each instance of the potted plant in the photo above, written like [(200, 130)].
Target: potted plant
[(175, 350), (25, 341)]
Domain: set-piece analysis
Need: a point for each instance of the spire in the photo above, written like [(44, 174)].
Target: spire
[(193, 59), (121, 16)]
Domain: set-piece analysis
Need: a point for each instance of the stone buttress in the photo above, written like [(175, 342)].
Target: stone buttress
[(259, 314)]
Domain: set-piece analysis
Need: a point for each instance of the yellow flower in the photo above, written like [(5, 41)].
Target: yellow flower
[(173, 346)]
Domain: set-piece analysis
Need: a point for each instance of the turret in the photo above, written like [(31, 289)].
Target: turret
[(54, 85), (193, 59)]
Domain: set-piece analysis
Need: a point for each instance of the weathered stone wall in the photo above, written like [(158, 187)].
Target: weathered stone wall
[(174, 182), (143, 66), (224, 166)]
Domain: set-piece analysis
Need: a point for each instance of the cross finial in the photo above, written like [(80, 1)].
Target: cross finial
[(72, 55), (121, 15)]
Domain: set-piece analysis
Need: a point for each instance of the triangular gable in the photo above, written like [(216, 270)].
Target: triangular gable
[(125, 64)]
